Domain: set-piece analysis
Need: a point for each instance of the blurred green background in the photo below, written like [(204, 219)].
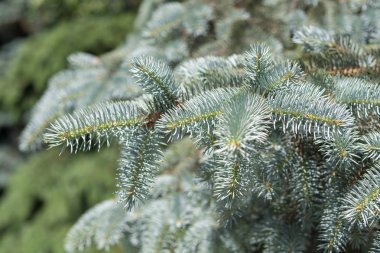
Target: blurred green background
[(39, 202)]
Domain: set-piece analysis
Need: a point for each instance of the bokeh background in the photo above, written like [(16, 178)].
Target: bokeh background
[(42, 194)]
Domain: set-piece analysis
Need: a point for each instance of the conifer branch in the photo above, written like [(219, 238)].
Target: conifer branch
[(370, 145), (198, 115), (313, 39), (281, 76), (341, 150), (363, 97), (195, 22), (262, 183), (103, 226), (206, 73), (244, 123), (375, 243), (138, 165), (171, 17), (231, 185), (304, 109), (304, 184), (156, 79), (94, 125), (258, 61), (361, 205), (166, 19), (333, 230), (285, 238), (335, 53), (197, 238), (158, 231), (67, 89)]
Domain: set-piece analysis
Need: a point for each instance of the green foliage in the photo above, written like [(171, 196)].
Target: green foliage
[(42, 201), (46, 12), (10, 160), (28, 71), (36, 15)]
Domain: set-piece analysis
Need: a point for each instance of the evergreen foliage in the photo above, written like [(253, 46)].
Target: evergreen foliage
[(285, 150), (33, 16), (36, 53), (42, 202)]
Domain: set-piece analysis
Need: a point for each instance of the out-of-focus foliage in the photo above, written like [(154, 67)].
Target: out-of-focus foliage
[(26, 74), (45, 12), (33, 15), (9, 160), (43, 200)]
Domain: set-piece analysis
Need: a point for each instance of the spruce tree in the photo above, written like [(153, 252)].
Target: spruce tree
[(240, 129)]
